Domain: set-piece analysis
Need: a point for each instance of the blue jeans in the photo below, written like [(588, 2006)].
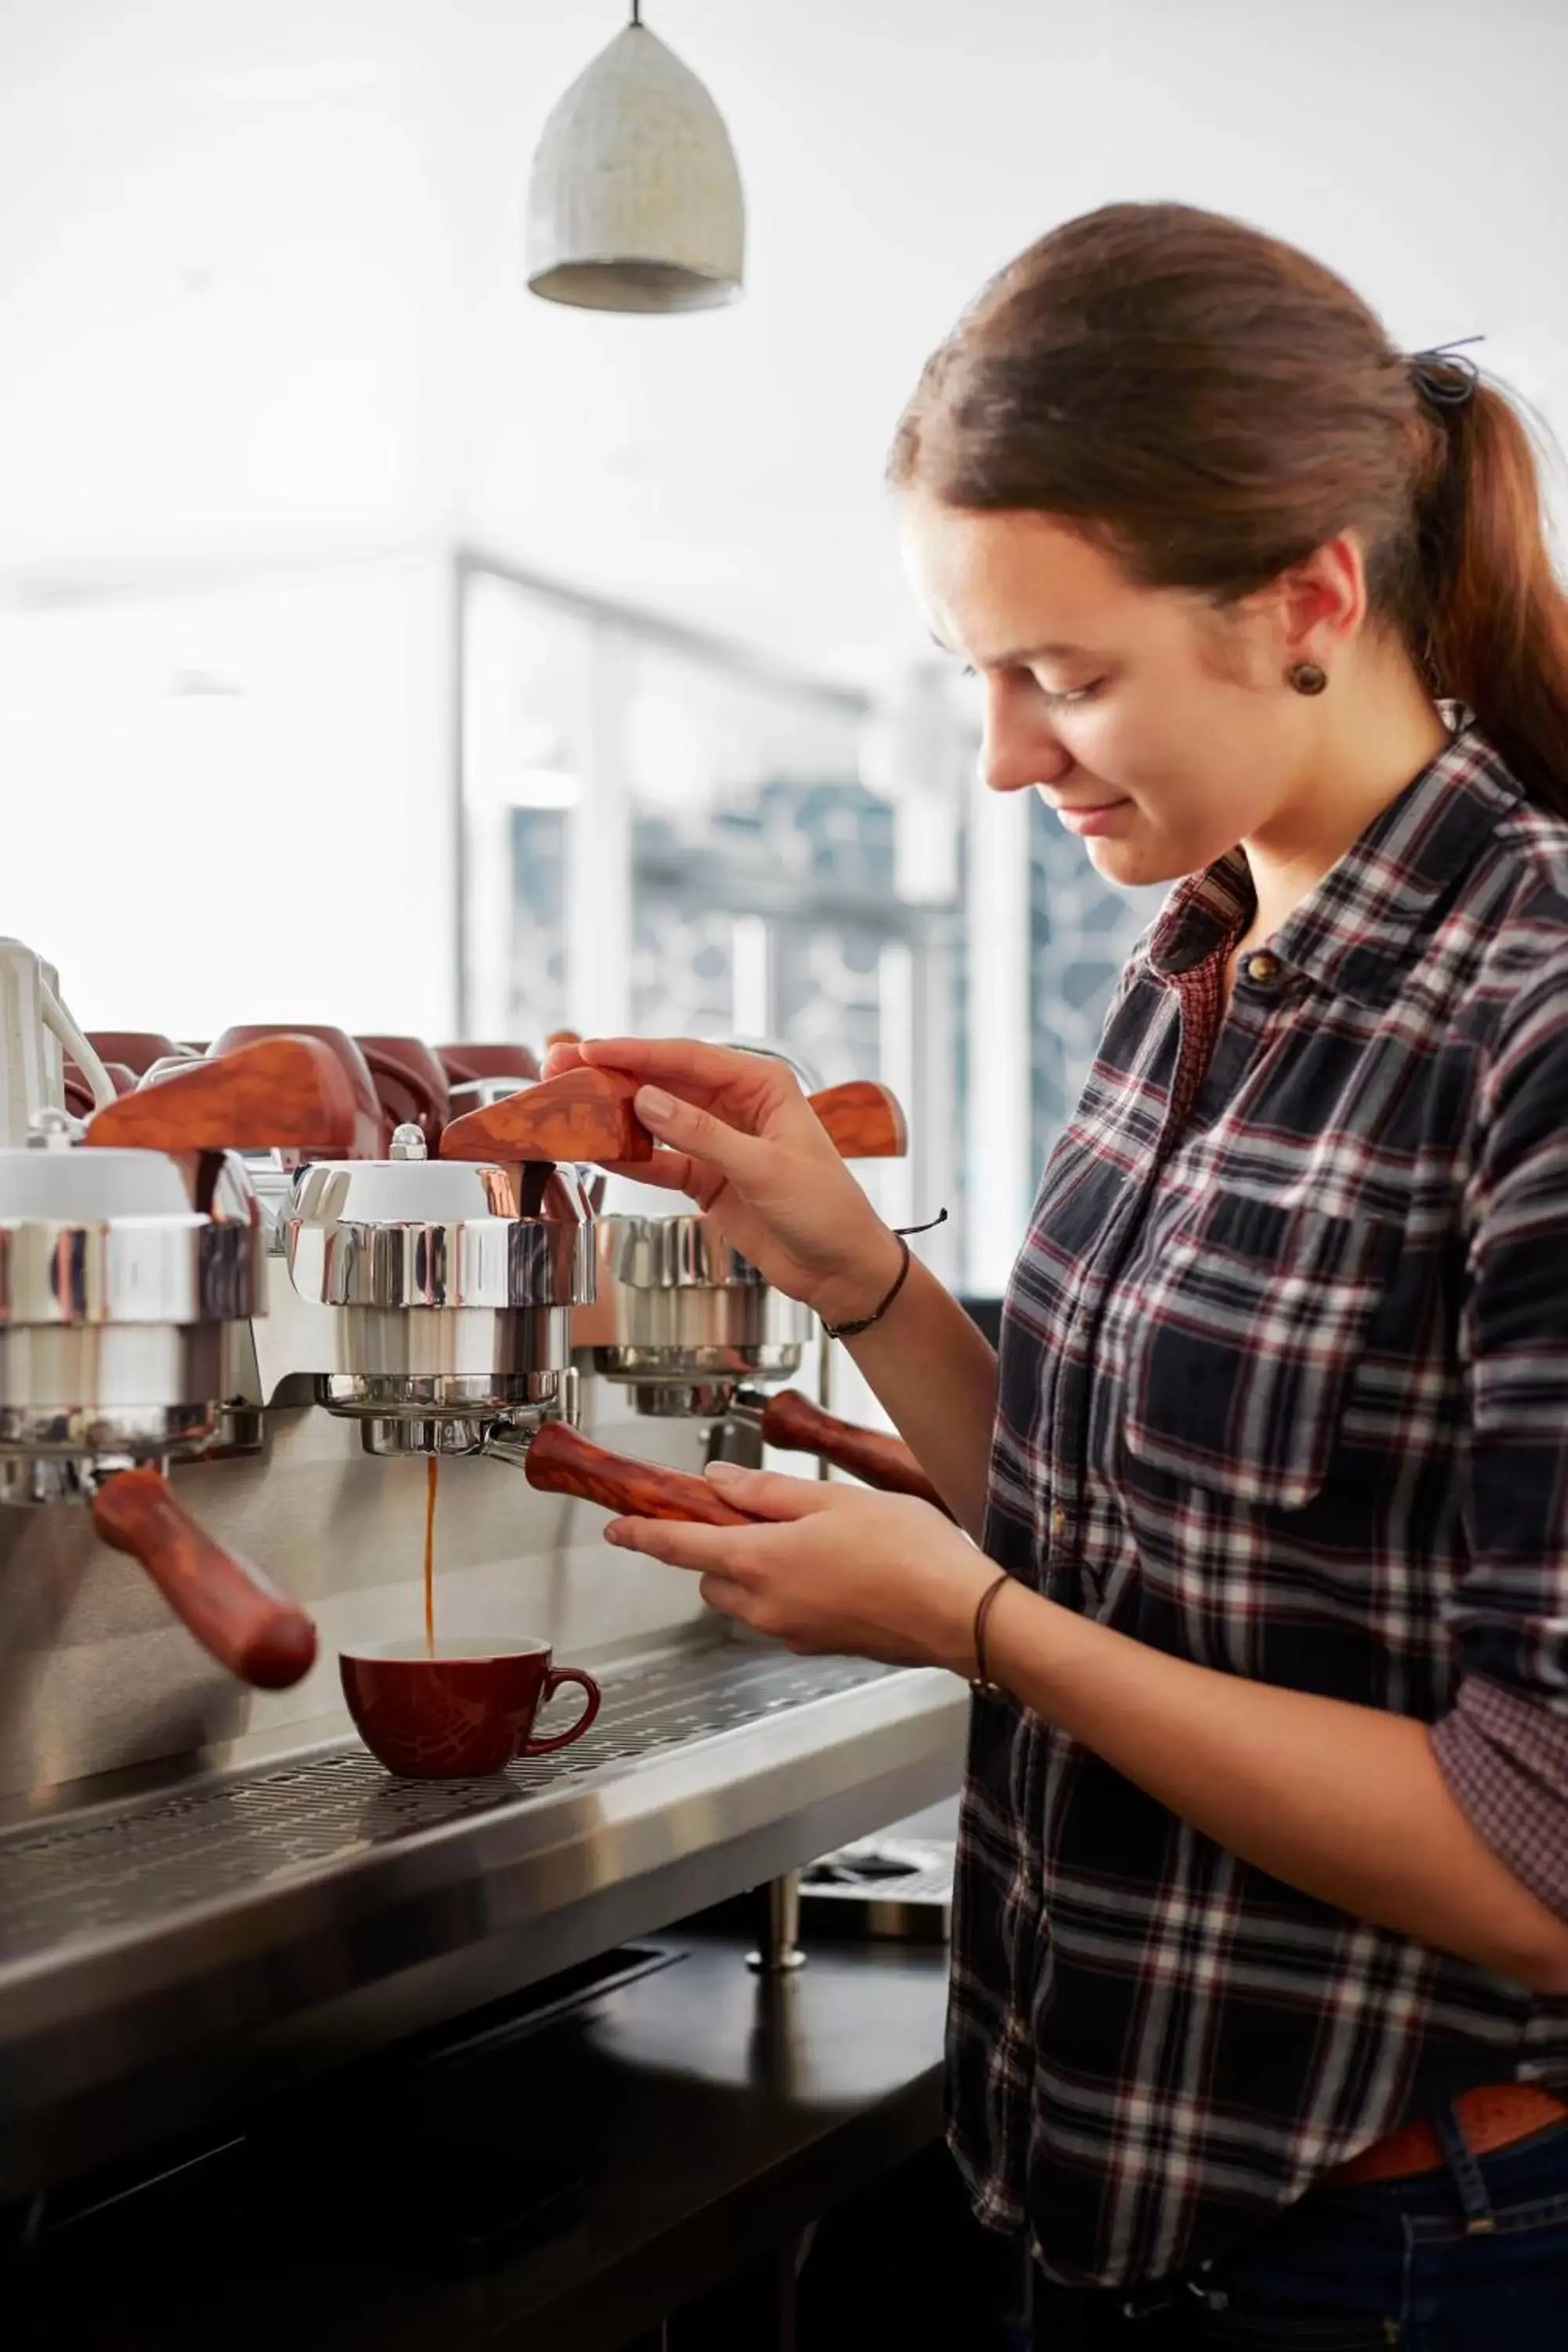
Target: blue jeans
[(1470, 2259)]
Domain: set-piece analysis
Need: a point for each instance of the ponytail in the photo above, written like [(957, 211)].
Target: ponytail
[(1497, 615)]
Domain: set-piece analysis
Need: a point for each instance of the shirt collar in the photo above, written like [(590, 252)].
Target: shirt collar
[(1363, 925)]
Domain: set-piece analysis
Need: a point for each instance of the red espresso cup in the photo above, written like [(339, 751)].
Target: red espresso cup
[(461, 1711)]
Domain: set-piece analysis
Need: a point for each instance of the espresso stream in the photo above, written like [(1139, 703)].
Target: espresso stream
[(432, 1470)]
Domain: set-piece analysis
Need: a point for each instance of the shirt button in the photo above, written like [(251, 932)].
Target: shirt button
[(1264, 968), (1058, 1521)]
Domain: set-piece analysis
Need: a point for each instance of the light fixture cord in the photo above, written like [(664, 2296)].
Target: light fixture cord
[(636, 12)]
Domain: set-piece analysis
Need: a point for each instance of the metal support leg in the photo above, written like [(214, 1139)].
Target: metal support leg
[(780, 1954)]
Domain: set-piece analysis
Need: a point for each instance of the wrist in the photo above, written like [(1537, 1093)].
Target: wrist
[(953, 1646), (860, 1289), (1030, 1639)]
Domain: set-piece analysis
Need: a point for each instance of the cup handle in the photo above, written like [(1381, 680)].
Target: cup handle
[(556, 1680)]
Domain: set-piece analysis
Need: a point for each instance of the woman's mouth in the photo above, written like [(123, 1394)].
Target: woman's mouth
[(1092, 818)]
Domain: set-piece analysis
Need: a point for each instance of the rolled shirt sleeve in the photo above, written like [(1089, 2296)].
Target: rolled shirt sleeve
[(1506, 1759), (1503, 1747)]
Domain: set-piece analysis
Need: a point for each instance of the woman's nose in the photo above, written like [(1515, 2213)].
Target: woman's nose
[(1018, 749)]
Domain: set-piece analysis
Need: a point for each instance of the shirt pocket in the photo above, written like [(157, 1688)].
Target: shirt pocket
[(1243, 1337)]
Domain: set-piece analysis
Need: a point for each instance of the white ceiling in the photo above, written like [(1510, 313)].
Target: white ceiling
[(260, 288)]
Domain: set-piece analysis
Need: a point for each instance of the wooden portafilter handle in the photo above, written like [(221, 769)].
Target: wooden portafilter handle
[(863, 1119), (561, 1462), (279, 1094), (412, 1086), (248, 1626), (586, 1113), (795, 1425)]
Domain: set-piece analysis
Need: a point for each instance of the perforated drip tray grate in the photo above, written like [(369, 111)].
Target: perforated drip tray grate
[(125, 1869)]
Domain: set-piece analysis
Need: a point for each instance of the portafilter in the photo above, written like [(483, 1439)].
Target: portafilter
[(126, 1260)]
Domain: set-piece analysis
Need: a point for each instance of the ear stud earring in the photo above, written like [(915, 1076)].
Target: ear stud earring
[(1307, 678)]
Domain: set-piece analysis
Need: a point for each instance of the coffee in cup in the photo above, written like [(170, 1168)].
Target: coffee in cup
[(459, 1708)]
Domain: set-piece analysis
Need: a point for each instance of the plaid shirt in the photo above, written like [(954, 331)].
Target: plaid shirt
[(1284, 1391)]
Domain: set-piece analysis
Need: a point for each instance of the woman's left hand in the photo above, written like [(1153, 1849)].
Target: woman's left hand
[(831, 1568)]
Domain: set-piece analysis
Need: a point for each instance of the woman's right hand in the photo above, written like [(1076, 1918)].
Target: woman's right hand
[(744, 1143)]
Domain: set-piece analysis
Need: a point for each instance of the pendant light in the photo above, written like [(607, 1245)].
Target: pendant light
[(634, 201)]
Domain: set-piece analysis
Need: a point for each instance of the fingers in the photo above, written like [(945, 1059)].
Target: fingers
[(698, 1135), (560, 1057), (769, 1495), (671, 1171), (683, 1543), (725, 1582), (713, 1072), (731, 1600)]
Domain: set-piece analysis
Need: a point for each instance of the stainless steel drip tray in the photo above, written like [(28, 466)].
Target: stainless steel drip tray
[(299, 1910), (133, 1868)]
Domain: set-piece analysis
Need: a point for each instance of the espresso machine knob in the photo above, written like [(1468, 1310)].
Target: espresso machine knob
[(413, 1083)]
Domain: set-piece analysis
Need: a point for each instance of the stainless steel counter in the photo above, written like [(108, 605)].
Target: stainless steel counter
[(165, 1955)]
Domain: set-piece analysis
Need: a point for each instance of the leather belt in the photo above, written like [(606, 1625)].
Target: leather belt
[(1494, 2116)]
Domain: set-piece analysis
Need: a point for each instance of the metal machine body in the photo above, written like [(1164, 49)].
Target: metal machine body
[(689, 1317), (205, 1889), (428, 1301), (125, 1277), (682, 1319)]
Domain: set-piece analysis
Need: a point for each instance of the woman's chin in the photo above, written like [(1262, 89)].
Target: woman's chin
[(1133, 864)]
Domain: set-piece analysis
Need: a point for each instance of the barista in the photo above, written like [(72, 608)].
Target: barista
[(1259, 2003)]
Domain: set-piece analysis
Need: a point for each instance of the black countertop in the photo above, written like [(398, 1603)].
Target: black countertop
[(691, 2120)]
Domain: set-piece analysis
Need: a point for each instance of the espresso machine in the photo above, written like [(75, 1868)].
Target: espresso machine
[(244, 1306)]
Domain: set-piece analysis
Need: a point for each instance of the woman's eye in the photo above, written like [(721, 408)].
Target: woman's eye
[(1059, 699)]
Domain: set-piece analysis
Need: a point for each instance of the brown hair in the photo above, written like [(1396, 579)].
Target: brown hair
[(1216, 405)]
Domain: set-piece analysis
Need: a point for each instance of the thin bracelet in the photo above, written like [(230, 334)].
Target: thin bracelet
[(980, 1681), (853, 1330)]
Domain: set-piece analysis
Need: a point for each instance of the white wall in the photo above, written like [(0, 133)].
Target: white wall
[(235, 805)]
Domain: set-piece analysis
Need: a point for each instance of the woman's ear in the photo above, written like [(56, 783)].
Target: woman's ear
[(1320, 603)]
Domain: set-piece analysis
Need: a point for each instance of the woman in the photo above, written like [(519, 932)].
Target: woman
[(1259, 2010)]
